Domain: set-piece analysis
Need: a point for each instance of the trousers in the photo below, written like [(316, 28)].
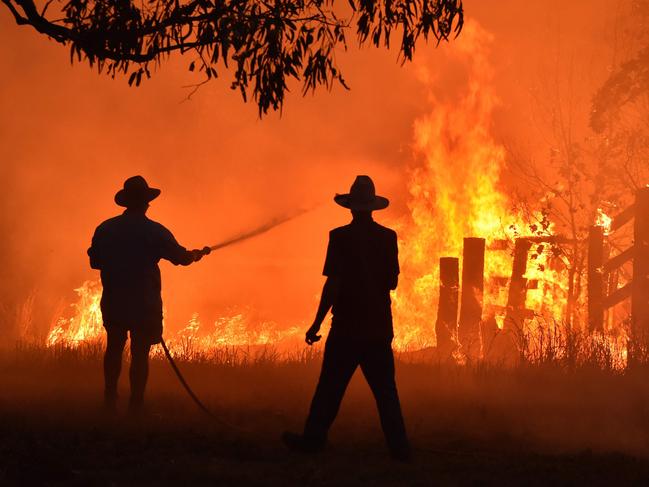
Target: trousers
[(376, 360)]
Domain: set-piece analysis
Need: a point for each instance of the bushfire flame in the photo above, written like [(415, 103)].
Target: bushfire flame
[(85, 325), (454, 192)]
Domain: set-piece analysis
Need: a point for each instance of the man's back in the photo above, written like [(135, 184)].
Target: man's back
[(127, 243), (362, 266), (363, 257), (127, 249)]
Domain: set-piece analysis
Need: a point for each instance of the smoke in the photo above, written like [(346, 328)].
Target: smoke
[(69, 138)]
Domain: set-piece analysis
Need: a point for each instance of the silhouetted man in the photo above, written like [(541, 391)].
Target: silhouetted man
[(362, 266), (126, 249)]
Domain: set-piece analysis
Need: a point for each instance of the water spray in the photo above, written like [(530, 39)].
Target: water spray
[(259, 230), (230, 241)]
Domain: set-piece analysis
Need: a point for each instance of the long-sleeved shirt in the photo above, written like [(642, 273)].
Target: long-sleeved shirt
[(126, 249)]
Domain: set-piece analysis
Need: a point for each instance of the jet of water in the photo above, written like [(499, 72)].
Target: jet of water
[(259, 230)]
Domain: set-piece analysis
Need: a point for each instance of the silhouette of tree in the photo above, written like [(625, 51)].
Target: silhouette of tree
[(628, 84), (268, 42), (619, 111)]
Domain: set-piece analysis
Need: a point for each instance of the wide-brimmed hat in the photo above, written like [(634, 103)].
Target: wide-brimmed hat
[(362, 196), (135, 192)]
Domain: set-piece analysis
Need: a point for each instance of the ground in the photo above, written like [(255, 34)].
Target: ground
[(472, 425)]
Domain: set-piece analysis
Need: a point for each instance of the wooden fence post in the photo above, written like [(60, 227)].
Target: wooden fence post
[(611, 286), (595, 278), (515, 315), (640, 282), (446, 325), (472, 296)]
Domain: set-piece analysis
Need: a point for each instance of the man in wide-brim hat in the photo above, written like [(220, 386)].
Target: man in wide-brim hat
[(127, 249), (361, 267)]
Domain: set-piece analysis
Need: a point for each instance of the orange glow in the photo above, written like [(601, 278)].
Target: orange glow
[(455, 192), (451, 183), (604, 221), (85, 325)]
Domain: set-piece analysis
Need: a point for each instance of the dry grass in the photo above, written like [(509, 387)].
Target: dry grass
[(541, 421)]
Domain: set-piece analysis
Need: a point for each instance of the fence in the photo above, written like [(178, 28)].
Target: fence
[(602, 282)]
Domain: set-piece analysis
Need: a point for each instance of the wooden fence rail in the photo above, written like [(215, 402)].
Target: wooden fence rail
[(603, 292), (602, 282)]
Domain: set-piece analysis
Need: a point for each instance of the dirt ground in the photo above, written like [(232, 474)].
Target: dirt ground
[(469, 426)]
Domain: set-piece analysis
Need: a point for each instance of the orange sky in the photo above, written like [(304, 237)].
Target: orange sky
[(68, 138)]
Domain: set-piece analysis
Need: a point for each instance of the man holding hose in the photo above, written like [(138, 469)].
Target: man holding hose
[(126, 250)]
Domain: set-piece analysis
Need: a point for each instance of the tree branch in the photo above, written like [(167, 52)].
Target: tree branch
[(269, 41)]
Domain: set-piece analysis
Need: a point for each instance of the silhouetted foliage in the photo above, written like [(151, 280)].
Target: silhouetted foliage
[(267, 41), (625, 85)]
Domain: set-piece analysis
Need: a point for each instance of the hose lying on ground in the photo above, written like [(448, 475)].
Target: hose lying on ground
[(239, 238), (191, 393)]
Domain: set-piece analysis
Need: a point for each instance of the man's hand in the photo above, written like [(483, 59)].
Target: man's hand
[(198, 254), (312, 334)]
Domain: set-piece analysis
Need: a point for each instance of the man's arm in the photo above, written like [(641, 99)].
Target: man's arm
[(393, 278), (94, 253), (329, 293), (330, 289), (176, 253)]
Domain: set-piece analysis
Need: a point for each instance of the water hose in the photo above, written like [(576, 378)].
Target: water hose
[(191, 393), (231, 241)]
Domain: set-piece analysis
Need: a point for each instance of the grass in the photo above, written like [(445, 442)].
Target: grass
[(537, 423)]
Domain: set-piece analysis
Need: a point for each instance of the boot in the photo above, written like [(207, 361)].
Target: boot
[(299, 443)]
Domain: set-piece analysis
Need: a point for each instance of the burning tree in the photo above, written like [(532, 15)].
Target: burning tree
[(544, 230), (469, 201), (269, 42), (596, 152)]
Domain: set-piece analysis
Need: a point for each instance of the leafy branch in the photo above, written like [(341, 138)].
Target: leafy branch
[(267, 42)]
